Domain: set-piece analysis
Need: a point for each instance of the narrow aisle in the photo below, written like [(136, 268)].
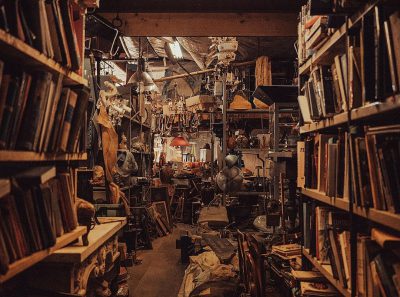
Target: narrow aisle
[(161, 273)]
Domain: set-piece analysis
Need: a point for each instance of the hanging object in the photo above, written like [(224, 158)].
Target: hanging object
[(225, 49), (263, 71), (141, 76), (179, 141)]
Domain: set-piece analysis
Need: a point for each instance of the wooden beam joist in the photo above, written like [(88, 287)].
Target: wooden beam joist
[(198, 6), (207, 24)]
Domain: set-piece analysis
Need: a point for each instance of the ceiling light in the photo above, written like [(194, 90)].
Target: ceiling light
[(141, 76), (176, 50)]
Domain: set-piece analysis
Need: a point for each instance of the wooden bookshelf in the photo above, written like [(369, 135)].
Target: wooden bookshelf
[(24, 263), (336, 202), (391, 103), (22, 53), (335, 43), (27, 156), (326, 271)]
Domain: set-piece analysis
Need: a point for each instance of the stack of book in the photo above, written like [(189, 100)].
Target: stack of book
[(38, 209), (47, 26), (38, 114), (327, 236), (378, 264)]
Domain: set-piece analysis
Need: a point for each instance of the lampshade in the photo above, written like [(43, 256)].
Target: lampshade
[(142, 76), (179, 141)]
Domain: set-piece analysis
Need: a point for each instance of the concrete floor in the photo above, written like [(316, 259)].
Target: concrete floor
[(160, 274)]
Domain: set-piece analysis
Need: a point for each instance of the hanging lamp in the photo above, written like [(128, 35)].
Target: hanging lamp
[(179, 141)]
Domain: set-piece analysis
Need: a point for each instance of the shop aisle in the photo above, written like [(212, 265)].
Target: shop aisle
[(161, 273)]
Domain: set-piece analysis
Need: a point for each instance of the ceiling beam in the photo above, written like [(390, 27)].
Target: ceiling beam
[(207, 24), (237, 6)]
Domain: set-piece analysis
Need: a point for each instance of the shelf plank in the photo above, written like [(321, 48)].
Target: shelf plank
[(23, 264), (326, 271), (391, 103), (385, 218), (14, 48), (340, 203), (23, 156), (77, 253)]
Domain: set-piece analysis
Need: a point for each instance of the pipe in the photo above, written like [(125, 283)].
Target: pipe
[(183, 75)]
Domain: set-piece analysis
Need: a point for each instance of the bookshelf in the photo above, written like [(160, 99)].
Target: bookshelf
[(326, 271), (24, 156), (24, 263), (344, 148), (14, 48)]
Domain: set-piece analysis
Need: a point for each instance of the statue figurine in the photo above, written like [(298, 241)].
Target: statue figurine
[(123, 145)]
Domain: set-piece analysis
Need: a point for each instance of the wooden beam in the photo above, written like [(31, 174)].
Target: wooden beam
[(198, 6), (207, 24)]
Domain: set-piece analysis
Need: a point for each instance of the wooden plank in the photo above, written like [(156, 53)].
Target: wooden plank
[(24, 54), (77, 253), (326, 271), (186, 24), (340, 203), (200, 6), (23, 156), (23, 264), (382, 217)]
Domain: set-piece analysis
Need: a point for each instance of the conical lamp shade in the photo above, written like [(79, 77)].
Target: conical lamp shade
[(179, 141)]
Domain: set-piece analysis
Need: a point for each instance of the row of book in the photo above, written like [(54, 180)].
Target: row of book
[(321, 164), (327, 237), (369, 72), (46, 25), (39, 208), (378, 264), (373, 157), (38, 114)]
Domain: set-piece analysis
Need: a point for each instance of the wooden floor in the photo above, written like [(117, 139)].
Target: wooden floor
[(161, 273)]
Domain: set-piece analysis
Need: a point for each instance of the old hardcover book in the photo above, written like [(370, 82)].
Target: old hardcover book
[(321, 235), (58, 223), (58, 120), (328, 100), (391, 57), (33, 112), (36, 175), (304, 108), (20, 109), (337, 257), (385, 239), (336, 89), (385, 272), (6, 121), (312, 100), (66, 126), (8, 239), (344, 242), (363, 178), (5, 82), (341, 81), (394, 20), (48, 208), (78, 118), (331, 175), (4, 258), (300, 164), (71, 219), (367, 50), (70, 33)]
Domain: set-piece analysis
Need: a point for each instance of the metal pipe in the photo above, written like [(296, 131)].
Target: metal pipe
[(183, 75)]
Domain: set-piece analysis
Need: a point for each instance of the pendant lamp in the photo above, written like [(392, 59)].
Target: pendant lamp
[(142, 76), (179, 141)]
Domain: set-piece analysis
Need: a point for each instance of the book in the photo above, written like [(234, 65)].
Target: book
[(66, 125), (394, 24), (58, 120), (385, 239), (337, 94), (331, 168), (304, 108), (321, 234), (37, 175), (327, 96), (341, 82), (301, 164), (5, 187)]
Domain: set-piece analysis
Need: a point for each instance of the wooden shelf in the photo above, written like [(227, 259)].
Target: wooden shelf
[(77, 253), (374, 109), (17, 50), (240, 111), (334, 44), (23, 264), (382, 217), (22, 156), (326, 271), (340, 203)]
